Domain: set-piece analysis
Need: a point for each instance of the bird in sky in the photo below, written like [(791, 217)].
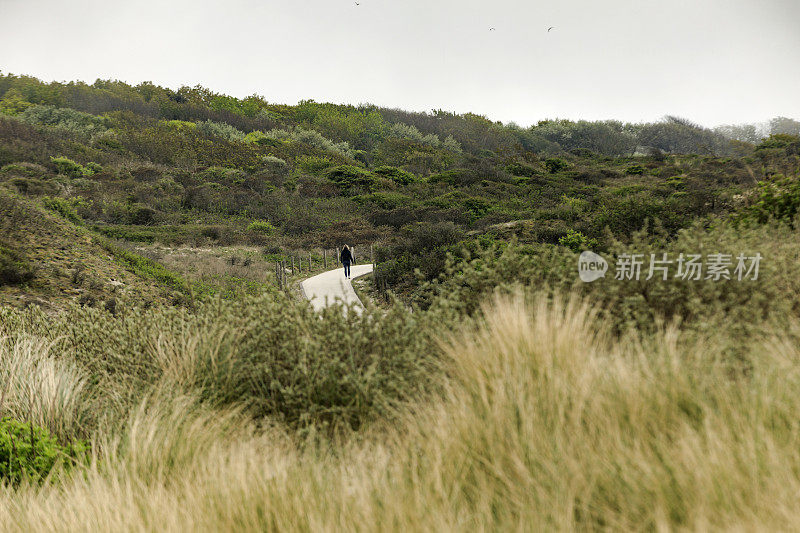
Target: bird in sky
[(491, 29), (358, 4), (550, 28)]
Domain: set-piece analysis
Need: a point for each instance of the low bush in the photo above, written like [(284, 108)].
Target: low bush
[(777, 198), (554, 164), (34, 187), (23, 169), (65, 119), (635, 170), (348, 177), (314, 164), (141, 215), (30, 453), (93, 168), (68, 167), (221, 130), (521, 169), (398, 175), (384, 200), (262, 227), (62, 207), (456, 177), (577, 241), (274, 165)]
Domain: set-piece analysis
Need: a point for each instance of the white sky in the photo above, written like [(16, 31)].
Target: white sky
[(712, 61)]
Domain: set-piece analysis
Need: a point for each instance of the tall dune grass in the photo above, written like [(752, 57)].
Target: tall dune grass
[(545, 422), (36, 387)]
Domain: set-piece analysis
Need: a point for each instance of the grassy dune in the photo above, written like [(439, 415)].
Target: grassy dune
[(544, 420)]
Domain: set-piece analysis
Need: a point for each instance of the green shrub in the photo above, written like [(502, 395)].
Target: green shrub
[(398, 175), (13, 103), (65, 119), (34, 186), (779, 141), (14, 269), (68, 167), (311, 138), (29, 452), (577, 241), (384, 200), (275, 165), (23, 169), (554, 164), (348, 177), (410, 132), (108, 140), (261, 138), (222, 130), (777, 198), (141, 215), (314, 164), (455, 177), (261, 226), (62, 207), (635, 170), (93, 168), (520, 169), (181, 125)]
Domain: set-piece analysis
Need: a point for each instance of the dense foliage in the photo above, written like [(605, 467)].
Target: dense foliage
[(148, 164), (29, 453)]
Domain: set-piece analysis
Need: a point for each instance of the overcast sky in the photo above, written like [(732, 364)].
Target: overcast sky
[(713, 61)]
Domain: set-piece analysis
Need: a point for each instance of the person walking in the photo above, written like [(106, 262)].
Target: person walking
[(346, 257)]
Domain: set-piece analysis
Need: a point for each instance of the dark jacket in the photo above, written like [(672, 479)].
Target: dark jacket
[(346, 256)]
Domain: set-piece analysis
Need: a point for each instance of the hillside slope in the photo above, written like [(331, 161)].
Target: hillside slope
[(49, 261)]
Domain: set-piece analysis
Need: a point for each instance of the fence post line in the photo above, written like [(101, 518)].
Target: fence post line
[(325, 259), (292, 265)]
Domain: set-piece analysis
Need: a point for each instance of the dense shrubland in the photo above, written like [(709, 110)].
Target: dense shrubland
[(148, 161)]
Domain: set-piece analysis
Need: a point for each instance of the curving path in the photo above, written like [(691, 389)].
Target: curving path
[(331, 287)]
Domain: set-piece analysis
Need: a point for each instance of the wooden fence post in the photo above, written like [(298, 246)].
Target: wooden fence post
[(325, 259), (292, 265)]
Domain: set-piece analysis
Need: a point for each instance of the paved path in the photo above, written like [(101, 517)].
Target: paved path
[(331, 287)]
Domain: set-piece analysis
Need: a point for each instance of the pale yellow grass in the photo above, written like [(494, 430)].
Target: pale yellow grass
[(546, 423), (36, 387)]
